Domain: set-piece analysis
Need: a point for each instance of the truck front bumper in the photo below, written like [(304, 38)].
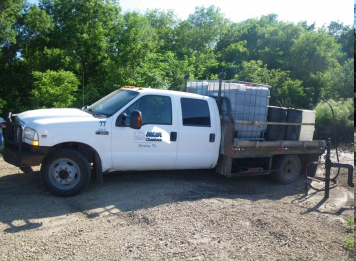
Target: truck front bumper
[(24, 156), (18, 153)]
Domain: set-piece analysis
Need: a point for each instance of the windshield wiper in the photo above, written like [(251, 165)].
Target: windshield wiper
[(87, 109), (92, 112), (95, 114)]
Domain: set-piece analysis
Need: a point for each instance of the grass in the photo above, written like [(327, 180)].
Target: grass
[(349, 239)]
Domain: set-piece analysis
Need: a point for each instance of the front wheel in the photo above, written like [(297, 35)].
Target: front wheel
[(65, 172), (287, 169)]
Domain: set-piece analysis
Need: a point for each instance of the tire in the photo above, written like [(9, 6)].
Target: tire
[(65, 172), (287, 169), (26, 169)]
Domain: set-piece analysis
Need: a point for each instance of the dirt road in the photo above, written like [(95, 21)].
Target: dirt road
[(175, 215)]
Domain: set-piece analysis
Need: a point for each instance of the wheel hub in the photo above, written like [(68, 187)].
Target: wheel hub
[(288, 168), (64, 173)]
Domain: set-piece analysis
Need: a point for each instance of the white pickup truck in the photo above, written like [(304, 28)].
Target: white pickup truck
[(144, 129)]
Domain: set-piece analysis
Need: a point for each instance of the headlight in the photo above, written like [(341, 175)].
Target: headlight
[(30, 136)]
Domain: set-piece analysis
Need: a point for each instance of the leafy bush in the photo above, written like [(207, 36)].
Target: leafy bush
[(344, 119)]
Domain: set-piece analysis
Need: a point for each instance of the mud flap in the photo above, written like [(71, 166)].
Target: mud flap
[(224, 165), (98, 169)]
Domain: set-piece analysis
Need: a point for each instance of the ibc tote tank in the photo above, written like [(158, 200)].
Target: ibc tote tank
[(198, 87), (248, 103)]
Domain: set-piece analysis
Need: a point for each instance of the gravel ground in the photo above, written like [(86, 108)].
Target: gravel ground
[(172, 215)]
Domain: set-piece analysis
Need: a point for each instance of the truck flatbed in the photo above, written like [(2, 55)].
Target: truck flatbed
[(248, 149)]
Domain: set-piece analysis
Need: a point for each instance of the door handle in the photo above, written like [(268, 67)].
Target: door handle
[(212, 137), (173, 136)]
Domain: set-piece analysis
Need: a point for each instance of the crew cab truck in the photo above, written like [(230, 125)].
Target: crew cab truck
[(135, 129)]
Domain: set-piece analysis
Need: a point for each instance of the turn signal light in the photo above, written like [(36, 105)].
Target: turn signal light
[(140, 119)]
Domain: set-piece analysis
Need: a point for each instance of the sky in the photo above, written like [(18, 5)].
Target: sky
[(322, 12)]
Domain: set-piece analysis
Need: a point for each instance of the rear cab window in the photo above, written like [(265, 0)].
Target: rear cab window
[(195, 112)]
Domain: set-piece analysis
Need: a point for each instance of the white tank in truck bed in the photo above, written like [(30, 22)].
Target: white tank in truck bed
[(249, 102)]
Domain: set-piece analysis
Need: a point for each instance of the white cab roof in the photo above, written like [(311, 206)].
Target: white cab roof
[(163, 92)]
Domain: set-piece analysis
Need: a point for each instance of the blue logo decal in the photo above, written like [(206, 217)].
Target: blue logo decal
[(154, 134)]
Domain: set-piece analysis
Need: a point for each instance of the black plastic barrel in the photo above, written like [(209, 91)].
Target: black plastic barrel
[(276, 132), (293, 131)]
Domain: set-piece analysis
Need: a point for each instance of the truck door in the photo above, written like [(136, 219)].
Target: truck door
[(197, 137), (152, 147)]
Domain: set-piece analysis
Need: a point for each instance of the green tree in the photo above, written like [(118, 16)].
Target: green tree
[(9, 12), (54, 89), (344, 35), (314, 52), (206, 26), (82, 33), (134, 48), (284, 91), (106, 49), (251, 32), (337, 82), (66, 35), (35, 26), (15, 86), (196, 38), (164, 24), (235, 53)]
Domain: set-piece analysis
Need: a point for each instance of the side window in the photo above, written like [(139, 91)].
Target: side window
[(155, 110), (195, 112)]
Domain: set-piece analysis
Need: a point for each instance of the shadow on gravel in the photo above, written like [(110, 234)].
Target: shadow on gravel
[(23, 199)]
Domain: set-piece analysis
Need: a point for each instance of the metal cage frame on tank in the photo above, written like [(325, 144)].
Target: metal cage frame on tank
[(249, 102)]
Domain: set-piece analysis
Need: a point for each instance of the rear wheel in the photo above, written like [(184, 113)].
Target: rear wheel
[(65, 172), (287, 169)]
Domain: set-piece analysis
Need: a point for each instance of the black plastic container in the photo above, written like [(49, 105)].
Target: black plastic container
[(276, 132), (293, 131)]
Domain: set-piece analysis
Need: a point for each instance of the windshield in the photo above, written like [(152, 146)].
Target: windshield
[(113, 102)]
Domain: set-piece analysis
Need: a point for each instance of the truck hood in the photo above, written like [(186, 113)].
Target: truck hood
[(53, 114)]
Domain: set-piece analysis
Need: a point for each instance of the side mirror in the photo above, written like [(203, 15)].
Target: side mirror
[(136, 120), (121, 120)]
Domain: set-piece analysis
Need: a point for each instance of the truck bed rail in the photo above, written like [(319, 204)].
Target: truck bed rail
[(273, 123), (248, 148)]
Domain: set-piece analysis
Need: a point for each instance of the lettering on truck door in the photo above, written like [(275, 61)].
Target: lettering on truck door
[(151, 147)]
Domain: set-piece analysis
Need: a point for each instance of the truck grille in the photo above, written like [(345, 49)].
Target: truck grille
[(13, 133)]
